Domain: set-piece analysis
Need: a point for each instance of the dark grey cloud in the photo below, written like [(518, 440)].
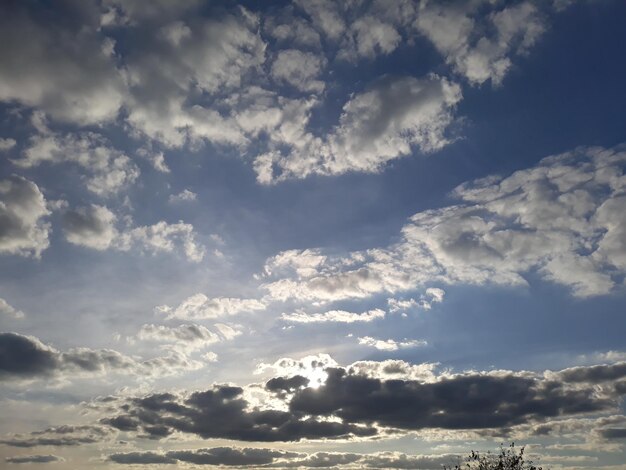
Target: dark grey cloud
[(472, 401), (141, 458), (60, 436), (361, 405), (222, 412), (27, 357), (595, 374), (232, 456), (613, 433), (33, 459)]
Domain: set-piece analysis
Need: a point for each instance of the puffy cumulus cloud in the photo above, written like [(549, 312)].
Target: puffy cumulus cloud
[(96, 227), (185, 55), (201, 307), (561, 219), (357, 401), (390, 344), (108, 170), (70, 72), (93, 227), (34, 459), (326, 16), (457, 30), (61, 436), (23, 230), (8, 310), (368, 37), (26, 357), (287, 28), (336, 316), (380, 124), (299, 69)]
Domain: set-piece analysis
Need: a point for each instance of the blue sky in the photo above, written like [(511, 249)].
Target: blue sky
[(359, 234)]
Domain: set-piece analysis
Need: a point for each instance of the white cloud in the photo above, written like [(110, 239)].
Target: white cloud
[(457, 30), (8, 310), (109, 170), (184, 196), (164, 237), (95, 227), (70, 73), (368, 37), (23, 230), (299, 69), (210, 55), (390, 344), (326, 16), (201, 307), (337, 316), (560, 219), (388, 121), (431, 295), (292, 30)]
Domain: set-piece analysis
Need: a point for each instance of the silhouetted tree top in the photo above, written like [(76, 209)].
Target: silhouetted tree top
[(507, 459)]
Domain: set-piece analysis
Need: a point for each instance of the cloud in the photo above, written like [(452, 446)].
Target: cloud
[(8, 310), (26, 357), (325, 15), (34, 459), (92, 227), (61, 436), (109, 170), (385, 122), (201, 307), (368, 37), (431, 295), (458, 32), (95, 227), (338, 316), (390, 344), (299, 69), (182, 55), (222, 412), (22, 210), (184, 196), (186, 336), (560, 219), (7, 144), (70, 73), (354, 401), (272, 458), (157, 159)]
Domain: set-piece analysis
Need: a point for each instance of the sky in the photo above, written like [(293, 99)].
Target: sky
[(312, 233)]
